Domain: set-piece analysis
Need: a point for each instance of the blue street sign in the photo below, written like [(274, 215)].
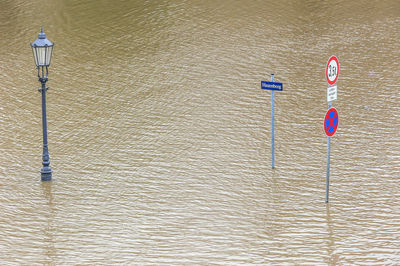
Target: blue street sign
[(269, 85)]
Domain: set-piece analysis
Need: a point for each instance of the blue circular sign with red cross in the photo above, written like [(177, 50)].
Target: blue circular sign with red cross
[(331, 122)]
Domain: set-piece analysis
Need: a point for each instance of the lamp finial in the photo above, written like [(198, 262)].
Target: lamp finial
[(42, 35)]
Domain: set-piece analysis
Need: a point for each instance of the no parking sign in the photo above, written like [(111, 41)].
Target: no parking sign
[(331, 122)]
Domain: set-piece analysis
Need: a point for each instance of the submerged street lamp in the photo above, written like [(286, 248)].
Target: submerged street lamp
[(42, 50)]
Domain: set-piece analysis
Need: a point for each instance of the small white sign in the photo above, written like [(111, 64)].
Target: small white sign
[(331, 93)]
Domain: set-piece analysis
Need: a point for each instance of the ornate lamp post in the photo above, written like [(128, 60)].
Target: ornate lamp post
[(42, 50)]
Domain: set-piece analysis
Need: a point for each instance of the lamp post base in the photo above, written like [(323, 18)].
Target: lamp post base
[(46, 173)]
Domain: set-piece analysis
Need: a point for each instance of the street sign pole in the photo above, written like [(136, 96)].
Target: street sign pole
[(328, 163), (273, 86), (273, 123), (327, 170), (332, 74)]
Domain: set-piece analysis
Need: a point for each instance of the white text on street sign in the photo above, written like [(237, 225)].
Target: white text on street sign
[(270, 85)]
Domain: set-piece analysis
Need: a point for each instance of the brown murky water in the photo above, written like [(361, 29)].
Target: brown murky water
[(159, 133)]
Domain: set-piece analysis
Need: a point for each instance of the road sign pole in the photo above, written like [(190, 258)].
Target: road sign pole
[(328, 164), (331, 122), (327, 169), (273, 124), (273, 86)]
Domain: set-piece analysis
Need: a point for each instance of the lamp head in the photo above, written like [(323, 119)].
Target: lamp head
[(42, 50)]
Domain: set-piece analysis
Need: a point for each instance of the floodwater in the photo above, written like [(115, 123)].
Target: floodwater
[(160, 136)]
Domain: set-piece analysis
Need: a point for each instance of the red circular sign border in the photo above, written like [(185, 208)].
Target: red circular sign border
[(326, 117), (326, 70)]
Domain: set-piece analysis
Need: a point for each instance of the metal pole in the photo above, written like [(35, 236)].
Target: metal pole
[(328, 164), (46, 170), (273, 123), (327, 170)]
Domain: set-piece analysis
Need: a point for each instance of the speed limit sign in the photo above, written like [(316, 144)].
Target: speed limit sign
[(332, 70)]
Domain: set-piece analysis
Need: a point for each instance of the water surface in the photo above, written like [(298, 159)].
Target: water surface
[(160, 136)]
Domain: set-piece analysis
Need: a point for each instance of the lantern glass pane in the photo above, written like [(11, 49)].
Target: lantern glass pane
[(35, 55), (41, 55), (49, 51)]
